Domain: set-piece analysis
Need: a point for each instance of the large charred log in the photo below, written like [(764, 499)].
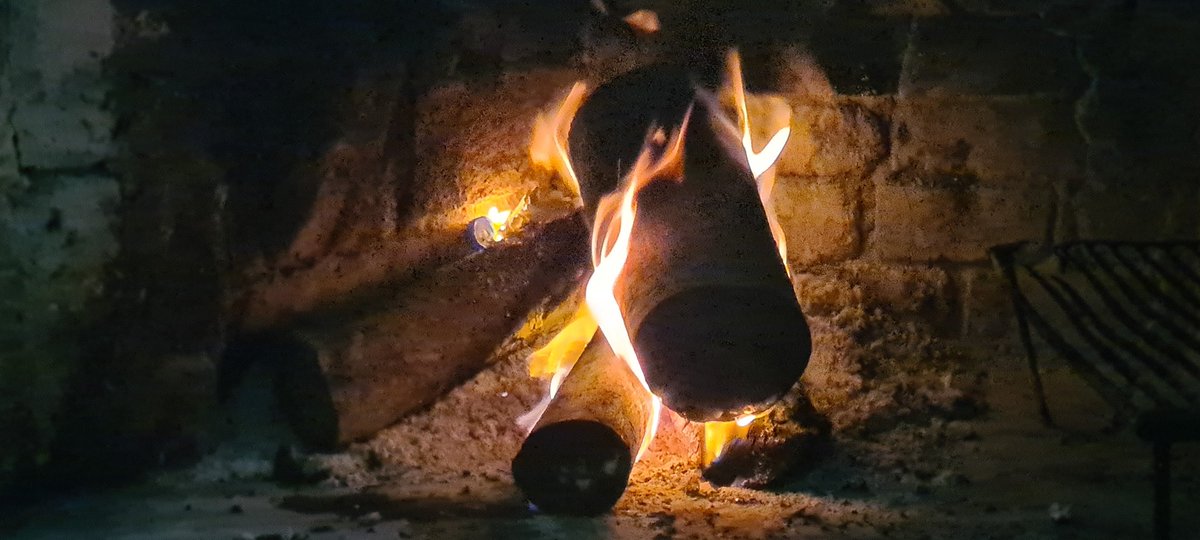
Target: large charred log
[(704, 293), (343, 375), (578, 457)]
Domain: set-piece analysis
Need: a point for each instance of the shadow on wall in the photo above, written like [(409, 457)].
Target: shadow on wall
[(264, 82)]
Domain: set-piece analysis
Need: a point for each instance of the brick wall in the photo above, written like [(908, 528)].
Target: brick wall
[(57, 204), (926, 132)]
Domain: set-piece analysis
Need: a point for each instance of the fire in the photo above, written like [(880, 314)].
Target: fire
[(548, 149), (555, 360), (611, 234), (761, 162), (499, 221), (617, 212), (718, 435)]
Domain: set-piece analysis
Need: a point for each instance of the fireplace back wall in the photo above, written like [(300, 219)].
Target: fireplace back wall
[(173, 175)]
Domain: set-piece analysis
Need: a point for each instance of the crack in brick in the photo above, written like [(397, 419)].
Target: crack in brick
[(16, 141)]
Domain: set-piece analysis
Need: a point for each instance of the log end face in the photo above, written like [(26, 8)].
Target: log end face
[(713, 353), (575, 467)]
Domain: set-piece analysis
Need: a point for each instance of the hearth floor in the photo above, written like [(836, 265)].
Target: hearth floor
[(995, 477)]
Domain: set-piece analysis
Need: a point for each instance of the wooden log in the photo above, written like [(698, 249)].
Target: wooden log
[(707, 300), (578, 457), (787, 442), (343, 375)]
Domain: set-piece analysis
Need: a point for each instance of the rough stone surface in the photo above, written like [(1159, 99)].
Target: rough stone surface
[(54, 246), (930, 218), (898, 288), (474, 144), (835, 139), (57, 225), (1137, 207), (56, 56), (909, 8), (988, 56), (9, 177), (1025, 7), (987, 311), (861, 55), (819, 220), (997, 140), (1140, 120)]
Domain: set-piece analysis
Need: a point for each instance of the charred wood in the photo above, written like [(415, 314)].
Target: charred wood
[(343, 375), (578, 457)]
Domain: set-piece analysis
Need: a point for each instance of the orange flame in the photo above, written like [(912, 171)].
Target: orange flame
[(555, 360), (718, 435), (548, 149)]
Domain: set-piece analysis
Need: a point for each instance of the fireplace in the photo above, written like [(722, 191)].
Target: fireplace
[(494, 268)]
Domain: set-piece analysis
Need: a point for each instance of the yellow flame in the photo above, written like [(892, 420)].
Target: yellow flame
[(499, 222), (618, 211), (548, 149), (718, 435), (762, 162), (556, 359), (565, 348)]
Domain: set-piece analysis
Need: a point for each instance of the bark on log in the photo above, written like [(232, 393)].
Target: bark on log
[(342, 376), (578, 457), (707, 300)]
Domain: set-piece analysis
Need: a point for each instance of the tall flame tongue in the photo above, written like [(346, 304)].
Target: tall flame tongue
[(762, 163), (548, 148), (617, 211), (661, 158)]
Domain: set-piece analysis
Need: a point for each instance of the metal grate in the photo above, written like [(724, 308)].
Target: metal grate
[(1126, 317)]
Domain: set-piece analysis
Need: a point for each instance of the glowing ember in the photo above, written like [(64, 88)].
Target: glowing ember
[(643, 20), (499, 222)]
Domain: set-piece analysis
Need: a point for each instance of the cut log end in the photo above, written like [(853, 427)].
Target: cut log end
[(720, 352), (575, 467), (578, 457)]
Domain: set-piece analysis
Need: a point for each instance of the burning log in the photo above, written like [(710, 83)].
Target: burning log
[(578, 457), (704, 293), (783, 443), (343, 375)]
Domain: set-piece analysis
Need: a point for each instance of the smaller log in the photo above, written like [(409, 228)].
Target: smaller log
[(790, 440), (578, 457), (344, 374)]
